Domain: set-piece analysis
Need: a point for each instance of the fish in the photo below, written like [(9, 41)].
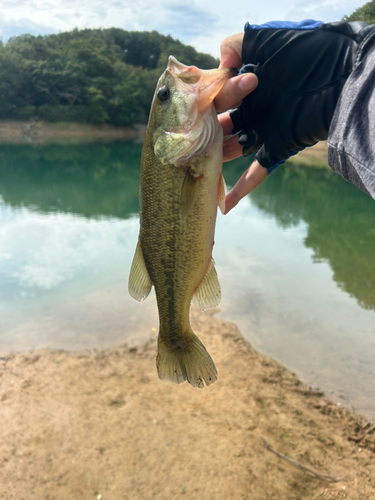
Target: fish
[(181, 186)]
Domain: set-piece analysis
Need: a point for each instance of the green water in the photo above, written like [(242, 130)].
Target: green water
[(295, 261)]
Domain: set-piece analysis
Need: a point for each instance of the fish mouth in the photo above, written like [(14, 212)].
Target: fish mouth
[(205, 83), (212, 81)]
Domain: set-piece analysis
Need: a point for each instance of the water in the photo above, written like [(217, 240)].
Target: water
[(295, 261)]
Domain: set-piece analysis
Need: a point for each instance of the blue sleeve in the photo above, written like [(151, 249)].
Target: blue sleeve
[(307, 24)]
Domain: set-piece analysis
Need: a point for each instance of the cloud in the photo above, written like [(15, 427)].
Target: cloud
[(23, 26), (324, 10), (188, 22), (204, 26)]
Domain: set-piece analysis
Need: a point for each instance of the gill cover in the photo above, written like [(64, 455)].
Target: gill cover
[(186, 120)]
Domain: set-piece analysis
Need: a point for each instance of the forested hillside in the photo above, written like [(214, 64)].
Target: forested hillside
[(366, 13), (90, 75)]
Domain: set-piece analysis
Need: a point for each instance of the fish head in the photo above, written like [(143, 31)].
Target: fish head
[(183, 117)]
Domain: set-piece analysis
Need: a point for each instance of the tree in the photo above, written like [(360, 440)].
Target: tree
[(366, 13), (89, 75)]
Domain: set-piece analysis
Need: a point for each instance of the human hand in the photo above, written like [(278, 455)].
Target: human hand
[(302, 68), (236, 88), (230, 97)]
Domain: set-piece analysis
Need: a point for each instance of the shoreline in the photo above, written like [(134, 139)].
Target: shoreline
[(41, 133), (100, 423)]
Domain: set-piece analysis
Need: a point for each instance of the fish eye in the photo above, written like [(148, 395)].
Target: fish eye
[(163, 94)]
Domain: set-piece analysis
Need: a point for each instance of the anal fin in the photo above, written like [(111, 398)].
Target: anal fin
[(140, 283), (208, 294)]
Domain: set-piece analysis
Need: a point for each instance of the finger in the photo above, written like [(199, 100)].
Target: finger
[(230, 50), (234, 90), (226, 123), (231, 149), (253, 176)]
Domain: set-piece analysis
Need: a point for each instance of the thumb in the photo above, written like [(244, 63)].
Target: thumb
[(230, 51)]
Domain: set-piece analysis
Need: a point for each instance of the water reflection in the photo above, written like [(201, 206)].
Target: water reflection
[(68, 230), (101, 180), (340, 219), (66, 233), (91, 180)]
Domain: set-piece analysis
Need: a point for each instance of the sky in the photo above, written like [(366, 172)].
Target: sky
[(203, 24)]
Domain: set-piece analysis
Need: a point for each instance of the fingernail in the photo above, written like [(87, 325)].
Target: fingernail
[(248, 83)]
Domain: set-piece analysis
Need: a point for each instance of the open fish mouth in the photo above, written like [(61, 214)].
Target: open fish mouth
[(206, 83)]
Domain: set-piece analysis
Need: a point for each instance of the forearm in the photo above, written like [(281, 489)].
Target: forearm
[(351, 139)]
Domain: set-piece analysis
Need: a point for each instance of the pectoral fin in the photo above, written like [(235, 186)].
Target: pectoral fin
[(188, 193), (140, 283), (208, 294), (221, 193)]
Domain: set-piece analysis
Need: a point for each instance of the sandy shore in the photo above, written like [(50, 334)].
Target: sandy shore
[(100, 425), (28, 132), (314, 156)]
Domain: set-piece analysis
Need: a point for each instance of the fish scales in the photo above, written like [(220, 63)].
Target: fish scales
[(174, 249), (179, 190)]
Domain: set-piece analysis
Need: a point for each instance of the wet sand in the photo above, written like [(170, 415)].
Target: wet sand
[(100, 425), (38, 132), (314, 156)]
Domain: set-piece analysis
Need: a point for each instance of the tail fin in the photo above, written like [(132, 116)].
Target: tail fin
[(189, 362)]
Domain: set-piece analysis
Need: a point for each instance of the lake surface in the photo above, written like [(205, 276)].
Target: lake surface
[(296, 263)]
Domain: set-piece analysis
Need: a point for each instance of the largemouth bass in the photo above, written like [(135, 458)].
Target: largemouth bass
[(181, 186)]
